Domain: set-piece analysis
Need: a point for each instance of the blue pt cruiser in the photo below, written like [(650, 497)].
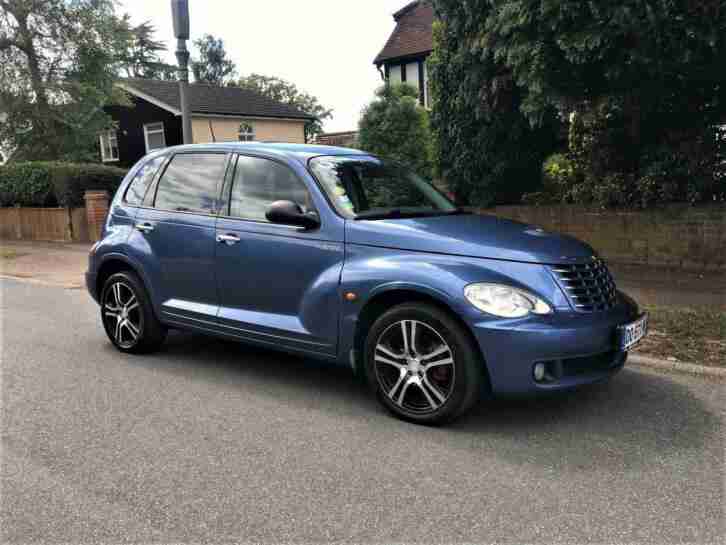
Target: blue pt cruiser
[(337, 254)]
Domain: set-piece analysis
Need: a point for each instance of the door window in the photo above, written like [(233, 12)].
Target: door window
[(260, 182), (138, 187), (191, 183)]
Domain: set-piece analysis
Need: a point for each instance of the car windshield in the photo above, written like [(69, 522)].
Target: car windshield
[(369, 188)]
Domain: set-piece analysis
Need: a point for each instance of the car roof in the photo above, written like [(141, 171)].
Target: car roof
[(300, 152)]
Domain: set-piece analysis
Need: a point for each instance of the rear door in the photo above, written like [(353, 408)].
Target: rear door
[(125, 207), (278, 284), (176, 237)]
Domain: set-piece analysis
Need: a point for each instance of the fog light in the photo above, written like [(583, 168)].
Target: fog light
[(539, 372)]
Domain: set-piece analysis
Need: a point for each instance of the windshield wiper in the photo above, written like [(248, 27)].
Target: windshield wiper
[(379, 215), (398, 213)]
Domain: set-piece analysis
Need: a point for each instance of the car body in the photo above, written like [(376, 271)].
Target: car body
[(316, 289)]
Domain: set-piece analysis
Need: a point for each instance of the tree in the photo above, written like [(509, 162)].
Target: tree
[(58, 62), (141, 58), (394, 125), (286, 92), (212, 66), (486, 150), (644, 78)]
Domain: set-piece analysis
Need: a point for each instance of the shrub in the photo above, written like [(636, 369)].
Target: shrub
[(26, 184), (70, 181), (395, 126), (41, 183)]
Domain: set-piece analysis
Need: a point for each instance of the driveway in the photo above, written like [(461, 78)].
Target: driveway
[(211, 441)]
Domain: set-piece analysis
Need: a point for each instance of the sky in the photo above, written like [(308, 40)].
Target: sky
[(325, 47)]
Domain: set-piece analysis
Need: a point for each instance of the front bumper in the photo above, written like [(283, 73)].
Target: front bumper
[(582, 347)]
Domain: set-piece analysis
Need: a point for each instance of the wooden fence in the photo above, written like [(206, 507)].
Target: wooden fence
[(54, 224)]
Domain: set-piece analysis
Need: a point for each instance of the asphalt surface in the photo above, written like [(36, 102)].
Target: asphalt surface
[(211, 441)]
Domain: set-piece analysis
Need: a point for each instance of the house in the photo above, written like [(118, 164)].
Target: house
[(403, 58), (219, 114)]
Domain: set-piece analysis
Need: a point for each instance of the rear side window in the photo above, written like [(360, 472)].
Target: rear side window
[(260, 182), (140, 184), (191, 183)]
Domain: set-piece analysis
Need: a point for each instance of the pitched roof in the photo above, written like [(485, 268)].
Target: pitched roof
[(211, 99), (413, 34)]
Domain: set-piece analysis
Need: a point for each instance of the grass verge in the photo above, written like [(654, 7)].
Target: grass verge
[(693, 335), (6, 253)]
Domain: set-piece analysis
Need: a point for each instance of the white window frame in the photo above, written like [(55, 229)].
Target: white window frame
[(147, 132), (246, 132), (108, 137)]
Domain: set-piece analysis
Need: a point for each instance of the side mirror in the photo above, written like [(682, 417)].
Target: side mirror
[(290, 213)]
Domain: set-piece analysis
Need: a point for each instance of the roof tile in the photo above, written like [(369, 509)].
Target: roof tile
[(213, 99), (413, 34)]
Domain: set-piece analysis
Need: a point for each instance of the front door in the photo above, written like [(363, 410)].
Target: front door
[(178, 235), (278, 284)]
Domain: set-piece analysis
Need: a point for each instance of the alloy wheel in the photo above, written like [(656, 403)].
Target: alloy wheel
[(122, 314), (414, 366)]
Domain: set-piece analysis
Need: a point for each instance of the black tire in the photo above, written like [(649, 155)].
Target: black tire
[(150, 333), (458, 384)]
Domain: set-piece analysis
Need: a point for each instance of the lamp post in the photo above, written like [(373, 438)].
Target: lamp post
[(180, 14)]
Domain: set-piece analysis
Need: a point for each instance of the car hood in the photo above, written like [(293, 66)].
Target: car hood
[(469, 235)]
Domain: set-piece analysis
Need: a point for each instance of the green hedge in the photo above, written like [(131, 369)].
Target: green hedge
[(40, 183)]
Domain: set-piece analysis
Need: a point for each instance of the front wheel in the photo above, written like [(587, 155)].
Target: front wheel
[(127, 315), (422, 364)]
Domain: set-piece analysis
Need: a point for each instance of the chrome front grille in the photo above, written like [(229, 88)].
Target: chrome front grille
[(589, 286)]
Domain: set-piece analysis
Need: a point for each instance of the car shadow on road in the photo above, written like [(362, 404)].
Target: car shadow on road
[(635, 419), (627, 422)]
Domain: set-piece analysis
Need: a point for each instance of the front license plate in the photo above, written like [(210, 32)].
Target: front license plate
[(630, 334)]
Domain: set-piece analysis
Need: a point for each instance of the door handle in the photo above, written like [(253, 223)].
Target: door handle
[(228, 239), (145, 227)]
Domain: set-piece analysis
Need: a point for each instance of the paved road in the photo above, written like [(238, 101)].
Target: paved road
[(212, 441)]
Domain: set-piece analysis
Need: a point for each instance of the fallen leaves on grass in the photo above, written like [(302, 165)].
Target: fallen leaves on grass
[(693, 335)]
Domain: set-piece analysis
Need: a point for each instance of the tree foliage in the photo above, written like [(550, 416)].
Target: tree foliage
[(58, 62), (394, 125), (643, 78), (287, 92), (212, 65), (486, 150), (142, 59)]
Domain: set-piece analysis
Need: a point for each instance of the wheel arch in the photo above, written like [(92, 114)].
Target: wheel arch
[(115, 263), (388, 297)]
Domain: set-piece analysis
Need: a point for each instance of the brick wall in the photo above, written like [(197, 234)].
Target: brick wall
[(96, 212), (676, 235)]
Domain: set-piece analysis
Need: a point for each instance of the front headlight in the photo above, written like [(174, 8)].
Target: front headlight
[(505, 301)]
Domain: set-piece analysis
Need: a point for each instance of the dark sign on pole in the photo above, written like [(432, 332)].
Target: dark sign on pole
[(180, 13)]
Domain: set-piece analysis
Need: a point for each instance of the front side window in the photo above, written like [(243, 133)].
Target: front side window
[(140, 184), (246, 133), (370, 188), (109, 146), (154, 136), (260, 182), (191, 183)]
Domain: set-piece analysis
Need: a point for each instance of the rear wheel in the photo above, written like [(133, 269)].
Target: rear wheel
[(127, 315), (422, 364)]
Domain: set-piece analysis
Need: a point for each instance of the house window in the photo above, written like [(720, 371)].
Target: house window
[(394, 74), (246, 133), (109, 146), (154, 136)]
